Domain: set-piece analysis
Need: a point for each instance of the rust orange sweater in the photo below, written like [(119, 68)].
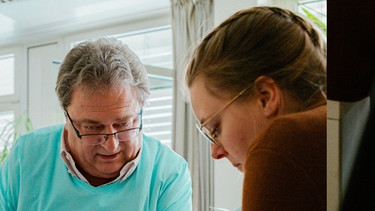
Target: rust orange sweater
[(286, 165)]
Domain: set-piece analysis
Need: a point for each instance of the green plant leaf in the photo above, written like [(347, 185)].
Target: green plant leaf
[(11, 131), (316, 21)]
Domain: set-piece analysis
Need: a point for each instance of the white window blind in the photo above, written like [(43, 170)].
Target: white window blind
[(157, 116)]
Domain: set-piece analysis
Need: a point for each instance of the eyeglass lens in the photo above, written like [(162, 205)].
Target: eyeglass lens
[(206, 133), (124, 135)]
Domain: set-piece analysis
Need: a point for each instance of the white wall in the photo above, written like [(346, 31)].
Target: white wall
[(333, 155), (224, 8), (227, 179), (42, 102)]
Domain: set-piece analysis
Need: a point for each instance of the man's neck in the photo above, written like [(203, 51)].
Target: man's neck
[(95, 181)]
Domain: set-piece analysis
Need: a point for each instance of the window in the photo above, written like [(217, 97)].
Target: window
[(7, 112), (7, 75), (154, 48)]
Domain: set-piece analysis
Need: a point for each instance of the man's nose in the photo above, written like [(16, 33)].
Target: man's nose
[(111, 143)]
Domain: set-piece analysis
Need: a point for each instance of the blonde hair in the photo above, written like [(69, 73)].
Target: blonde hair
[(267, 41)]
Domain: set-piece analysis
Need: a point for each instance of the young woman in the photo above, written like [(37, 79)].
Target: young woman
[(257, 85)]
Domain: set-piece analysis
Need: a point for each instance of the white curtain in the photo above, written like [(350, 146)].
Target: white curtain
[(191, 21)]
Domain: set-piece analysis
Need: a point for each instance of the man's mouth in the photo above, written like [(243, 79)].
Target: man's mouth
[(109, 157)]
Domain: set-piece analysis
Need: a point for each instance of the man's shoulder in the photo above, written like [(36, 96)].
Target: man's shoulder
[(160, 151), (41, 135), (54, 129), (38, 145), (162, 161), (48, 129)]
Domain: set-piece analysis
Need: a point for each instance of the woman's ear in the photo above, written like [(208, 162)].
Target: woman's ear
[(268, 95)]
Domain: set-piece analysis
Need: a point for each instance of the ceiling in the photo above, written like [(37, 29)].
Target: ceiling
[(26, 20)]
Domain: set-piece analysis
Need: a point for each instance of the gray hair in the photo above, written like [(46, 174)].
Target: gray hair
[(99, 65)]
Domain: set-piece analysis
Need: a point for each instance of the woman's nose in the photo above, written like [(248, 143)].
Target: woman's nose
[(218, 151)]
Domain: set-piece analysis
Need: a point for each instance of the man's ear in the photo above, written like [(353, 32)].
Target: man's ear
[(268, 95)]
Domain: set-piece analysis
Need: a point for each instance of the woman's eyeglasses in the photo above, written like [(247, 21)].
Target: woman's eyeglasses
[(211, 135)]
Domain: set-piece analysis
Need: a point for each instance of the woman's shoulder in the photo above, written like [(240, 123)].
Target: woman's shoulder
[(295, 132), (310, 121)]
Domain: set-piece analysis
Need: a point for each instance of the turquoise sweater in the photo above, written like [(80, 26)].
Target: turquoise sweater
[(34, 177)]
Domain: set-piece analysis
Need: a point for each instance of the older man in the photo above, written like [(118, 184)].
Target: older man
[(98, 160)]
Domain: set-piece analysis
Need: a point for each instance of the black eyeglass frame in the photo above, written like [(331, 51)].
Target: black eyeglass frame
[(104, 135)]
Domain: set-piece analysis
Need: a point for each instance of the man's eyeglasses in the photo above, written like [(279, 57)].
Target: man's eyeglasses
[(96, 139), (211, 135)]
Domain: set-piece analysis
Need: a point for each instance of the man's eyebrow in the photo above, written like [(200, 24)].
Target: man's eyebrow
[(124, 118), (127, 117), (88, 121)]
